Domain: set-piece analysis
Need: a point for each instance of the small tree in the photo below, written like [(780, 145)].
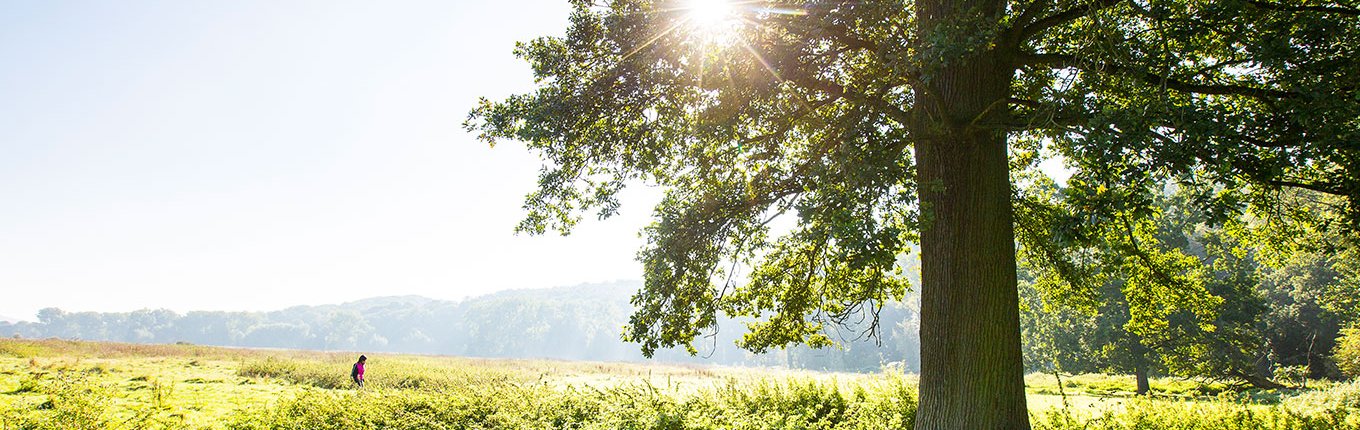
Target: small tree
[(1347, 352)]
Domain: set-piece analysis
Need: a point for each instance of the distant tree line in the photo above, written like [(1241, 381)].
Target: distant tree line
[(571, 323), (1172, 293)]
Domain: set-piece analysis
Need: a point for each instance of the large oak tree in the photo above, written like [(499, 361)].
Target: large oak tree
[(878, 124)]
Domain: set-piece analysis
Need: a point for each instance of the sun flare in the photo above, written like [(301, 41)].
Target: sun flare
[(711, 14)]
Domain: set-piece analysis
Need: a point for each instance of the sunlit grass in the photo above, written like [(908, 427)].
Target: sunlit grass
[(60, 384)]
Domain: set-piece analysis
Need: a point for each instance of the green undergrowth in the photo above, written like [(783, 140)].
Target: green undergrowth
[(86, 385), (1121, 386), (1293, 413), (767, 405), (410, 374)]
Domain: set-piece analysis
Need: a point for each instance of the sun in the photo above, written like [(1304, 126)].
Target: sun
[(709, 12), (711, 15)]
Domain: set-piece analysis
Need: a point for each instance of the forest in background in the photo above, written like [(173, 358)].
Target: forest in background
[(579, 322), (1238, 311), (1175, 293)]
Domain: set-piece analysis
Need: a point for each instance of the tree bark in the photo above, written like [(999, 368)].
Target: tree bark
[(1140, 365), (1258, 381), (972, 371), (972, 374), (1140, 372)]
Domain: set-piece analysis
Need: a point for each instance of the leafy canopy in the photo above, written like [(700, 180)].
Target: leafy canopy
[(807, 110)]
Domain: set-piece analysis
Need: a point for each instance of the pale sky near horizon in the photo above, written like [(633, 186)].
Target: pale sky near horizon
[(253, 155)]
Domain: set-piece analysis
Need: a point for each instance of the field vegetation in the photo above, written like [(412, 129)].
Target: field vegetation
[(54, 384)]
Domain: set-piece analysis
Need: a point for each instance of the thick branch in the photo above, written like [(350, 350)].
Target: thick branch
[(1041, 116), (1027, 16), (1067, 60), (1031, 29), (1341, 10), (1311, 186), (1026, 103), (836, 90), (1255, 174), (1143, 255), (842, 33), (783, 129), (1264, 143)]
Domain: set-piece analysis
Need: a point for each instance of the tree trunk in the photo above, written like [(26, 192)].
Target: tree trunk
[(1258, 381), (1140, 365), (972, 374), (1140, 372)]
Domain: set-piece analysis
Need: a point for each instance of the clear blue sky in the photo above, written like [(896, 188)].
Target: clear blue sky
[(249, 155)]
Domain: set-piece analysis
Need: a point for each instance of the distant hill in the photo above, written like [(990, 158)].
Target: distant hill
[(385, 301), (9, 319), (580, 322)]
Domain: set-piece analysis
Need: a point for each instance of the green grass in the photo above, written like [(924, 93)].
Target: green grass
[(1121, 386), (87, 385), (126, 392)]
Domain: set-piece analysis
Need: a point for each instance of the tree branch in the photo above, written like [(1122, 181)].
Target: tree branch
[(1341, 10), (1311, 186), (1254, 174), (1040, 117), (1142, 254), (783, 129), (1060, 18), (1027, 16), (836, 90), (1071, 61)]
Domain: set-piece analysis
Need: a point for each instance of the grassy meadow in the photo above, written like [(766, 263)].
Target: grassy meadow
[(51, 384)]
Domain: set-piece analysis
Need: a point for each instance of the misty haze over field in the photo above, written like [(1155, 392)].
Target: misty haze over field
[(581, 322)]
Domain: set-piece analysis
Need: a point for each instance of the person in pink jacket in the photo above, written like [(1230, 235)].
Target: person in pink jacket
[(357, 373)]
